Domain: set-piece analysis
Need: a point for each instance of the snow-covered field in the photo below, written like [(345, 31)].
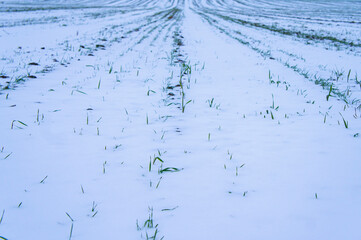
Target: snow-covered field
[(183, 119)]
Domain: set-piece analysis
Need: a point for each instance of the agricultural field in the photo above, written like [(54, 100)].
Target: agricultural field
[(180, 119)]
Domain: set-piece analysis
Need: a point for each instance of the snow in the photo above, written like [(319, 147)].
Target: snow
[(97, 143)]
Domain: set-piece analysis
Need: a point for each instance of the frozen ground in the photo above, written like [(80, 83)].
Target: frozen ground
[(186, 119)]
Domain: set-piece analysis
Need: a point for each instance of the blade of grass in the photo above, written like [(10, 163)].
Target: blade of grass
[(2, 216), (71, 231), (157, 158), (69, 216), (344, 121), (7, 156), (42, 181)]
